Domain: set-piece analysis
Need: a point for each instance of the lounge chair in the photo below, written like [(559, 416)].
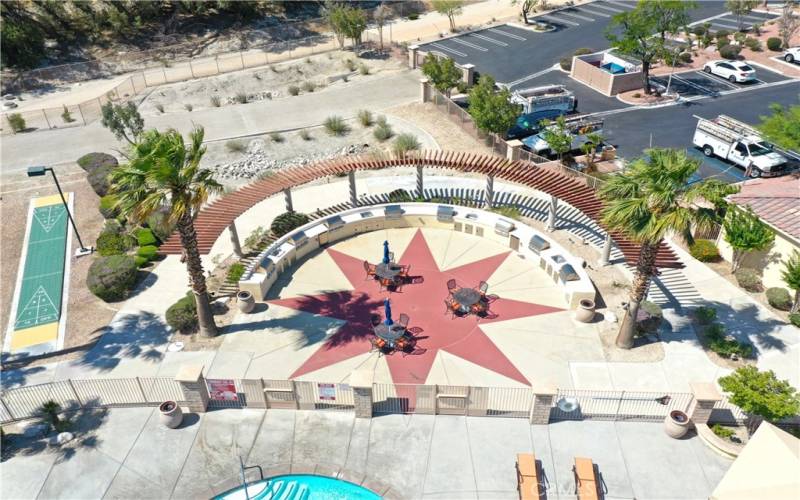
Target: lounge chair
[(527, 477), (585, 479)]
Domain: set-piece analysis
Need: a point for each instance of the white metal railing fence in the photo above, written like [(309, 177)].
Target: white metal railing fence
[(725, 412), (619, 405)]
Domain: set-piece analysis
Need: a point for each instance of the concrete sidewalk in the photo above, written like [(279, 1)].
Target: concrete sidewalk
[(127, 453)]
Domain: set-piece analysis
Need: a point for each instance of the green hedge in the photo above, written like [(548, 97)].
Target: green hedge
[(145, 237), (112, 278), (794, 319), (182, 315), (108, 206), (98, 166), (779, 298), (141, 261), (774, 44), (149, 252), (287, 221), (112, 243), (704, 251)]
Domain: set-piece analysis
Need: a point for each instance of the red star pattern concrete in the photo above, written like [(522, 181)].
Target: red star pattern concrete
[(424, 303)]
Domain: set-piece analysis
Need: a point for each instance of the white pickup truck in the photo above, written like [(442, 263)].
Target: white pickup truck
[(739, 144)]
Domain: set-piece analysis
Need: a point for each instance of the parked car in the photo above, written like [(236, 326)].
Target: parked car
[(733, 71), (792, 55)]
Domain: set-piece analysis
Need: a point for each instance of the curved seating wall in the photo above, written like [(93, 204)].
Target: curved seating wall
[(284, 252)]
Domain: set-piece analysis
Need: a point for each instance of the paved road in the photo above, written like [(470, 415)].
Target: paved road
[(59, 146)]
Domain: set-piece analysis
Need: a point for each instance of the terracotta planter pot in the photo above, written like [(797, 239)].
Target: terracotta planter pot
[(585, 311), (245, 301), (171, 414), (676, 424)]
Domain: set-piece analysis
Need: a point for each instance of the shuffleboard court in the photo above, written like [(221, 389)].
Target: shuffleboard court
[(37, 310)]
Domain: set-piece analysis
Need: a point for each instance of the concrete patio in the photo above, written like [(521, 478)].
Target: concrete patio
[(126, 453)]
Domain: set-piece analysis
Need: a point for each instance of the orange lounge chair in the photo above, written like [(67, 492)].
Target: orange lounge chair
[(527, 477), (585, 479)]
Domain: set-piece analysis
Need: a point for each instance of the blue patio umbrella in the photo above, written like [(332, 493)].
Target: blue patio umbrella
[(385, 252), (387, 310)]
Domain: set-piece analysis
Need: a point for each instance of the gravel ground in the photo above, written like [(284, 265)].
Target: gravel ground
[(86, 314), (270, 82)]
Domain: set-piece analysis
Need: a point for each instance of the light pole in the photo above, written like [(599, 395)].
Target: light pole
[(674, 62), (39, 171)]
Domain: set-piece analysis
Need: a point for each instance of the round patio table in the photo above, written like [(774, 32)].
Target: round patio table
[(387, 271), (389, 333), (467, 297)]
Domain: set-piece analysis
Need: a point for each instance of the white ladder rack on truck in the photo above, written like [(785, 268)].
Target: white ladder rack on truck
[(717, 129), (542, 98), (737, 126)]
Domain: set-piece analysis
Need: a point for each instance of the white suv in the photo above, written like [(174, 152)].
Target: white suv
[(792, 55), (734, 71)]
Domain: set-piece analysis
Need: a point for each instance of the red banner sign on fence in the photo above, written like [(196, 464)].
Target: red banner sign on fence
[(222, 389)]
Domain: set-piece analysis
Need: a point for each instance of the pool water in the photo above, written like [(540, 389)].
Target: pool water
[(613, 68), (300, 487)]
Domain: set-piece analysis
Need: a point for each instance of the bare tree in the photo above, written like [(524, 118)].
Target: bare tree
[(380, 16), (527, 6), (788, 23)]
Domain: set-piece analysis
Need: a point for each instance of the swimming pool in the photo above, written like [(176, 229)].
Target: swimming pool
[(300, 487), (613, 68)]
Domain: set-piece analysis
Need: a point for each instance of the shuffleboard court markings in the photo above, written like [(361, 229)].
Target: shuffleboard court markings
[(39, 309), (48, 217)]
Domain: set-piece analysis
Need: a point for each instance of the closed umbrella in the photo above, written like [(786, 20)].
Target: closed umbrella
[(387, 309), (385, 252)]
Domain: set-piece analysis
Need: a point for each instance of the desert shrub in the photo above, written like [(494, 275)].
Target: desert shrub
[(383, 132), (149, 252), (350, 65), (381, 120), (188, 107), (276, 137), (111, 278), (794, 319), (705, 315), (649, 318), (722, 34), (235, 272), (699, 30), (305, 135), (722, 432), (725, 345), (729, 51), (779, 298), (365, 117), (145, 236), (565, 63), (17, 122), (583, 50), (216, 101), (404, 143), (109, 243), (685, 57), (98, 166), (293, 90), (363, 69), (748, 279), (288, 221), (235, 146), (66, 115), (108, 206), (182, 315), (308, 86), (240, 97), (774, 44), (753, 44), (335, 125), (704, 251)]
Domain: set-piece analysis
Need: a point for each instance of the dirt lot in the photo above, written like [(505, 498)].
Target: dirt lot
[(86, 314)]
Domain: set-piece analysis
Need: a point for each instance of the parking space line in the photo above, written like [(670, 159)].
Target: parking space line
[(468, 44), (593, 12), (575, 16), (552, 18), (704, 90), (622, 5), (715, 78), (448, 49), (490, 40), (724, 26), (510, 35), (606, 8), (757, 18), (529, 77)]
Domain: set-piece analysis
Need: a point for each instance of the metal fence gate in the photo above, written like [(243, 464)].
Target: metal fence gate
[(618, 405)]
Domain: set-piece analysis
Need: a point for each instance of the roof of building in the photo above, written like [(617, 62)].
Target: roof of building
[(775, 200)]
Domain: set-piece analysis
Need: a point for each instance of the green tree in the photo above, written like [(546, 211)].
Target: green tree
[(670, 16), (740, 8), (491, 109), (336, 16), (745, 233), (355, 22), (761, 395), (526, 7), (782, 128), (791, 276), (442, 72), (21, 45), (651, 199), (714, 191), (164, 174), (590, 147), (557, 136), (450, 8), (123, 120)]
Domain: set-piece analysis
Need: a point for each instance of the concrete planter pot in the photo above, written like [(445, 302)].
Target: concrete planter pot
[(245, 301), (676, 424), (171, 414), (585, 311)]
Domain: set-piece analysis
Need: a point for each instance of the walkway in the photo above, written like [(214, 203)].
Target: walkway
[(126, 453)]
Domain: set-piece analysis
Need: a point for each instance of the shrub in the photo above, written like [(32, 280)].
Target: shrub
[(255, 238), (637, 95), (308, 86), (649, 317), (365, 117), (566, 63), (235, 272), (363, 69), (182, 315), (704, 251), (794, 319), (145, 237), (685, 57), (108, 206), (235, 146), (188, 107), (722, 432), (413, 16), (705, 315), (293, 90), (748, 279), (724, 345), (109, 243), (404, 143), (159, 223), (216, 101), (699, 30), (305, 135), (17, 122), (140, 261), (112, 278), (729, 51), (240, 97), (276, 137), (335, 125), (399, 195), (148, 252), (288, 221), (350, 65), (98, 166), (383, 132), (722, 34), (381, 120), (774, 44), (462, 87), (779, 298), (583, 50), (753, 44), (66, 115)]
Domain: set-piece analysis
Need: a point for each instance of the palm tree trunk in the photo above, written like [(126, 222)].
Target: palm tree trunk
[(645, 268), (646, 77), (194, 265), (796, 305)]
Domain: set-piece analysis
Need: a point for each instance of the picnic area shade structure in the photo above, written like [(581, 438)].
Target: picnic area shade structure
[(767, 467)]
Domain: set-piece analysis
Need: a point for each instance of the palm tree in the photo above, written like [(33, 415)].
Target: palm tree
[(163, 173), (650, 200)]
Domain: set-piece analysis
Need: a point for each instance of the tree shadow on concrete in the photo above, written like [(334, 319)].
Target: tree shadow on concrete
[(16, 375)]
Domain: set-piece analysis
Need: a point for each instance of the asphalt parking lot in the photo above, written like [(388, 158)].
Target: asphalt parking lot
[(700, 83), (589, 100), (729, 22)]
